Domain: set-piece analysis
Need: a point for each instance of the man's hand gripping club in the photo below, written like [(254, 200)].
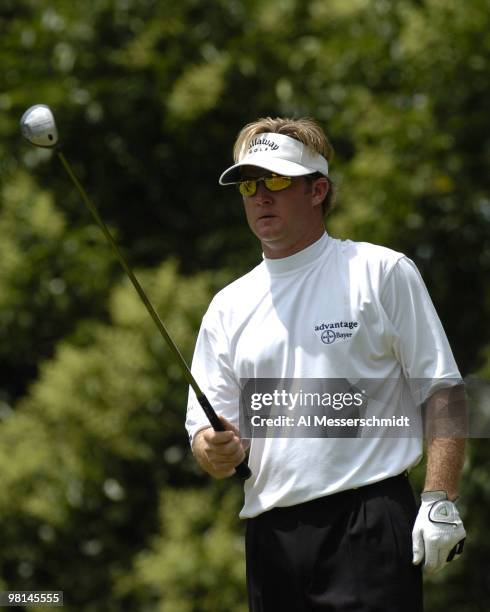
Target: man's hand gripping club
[(219, 452)]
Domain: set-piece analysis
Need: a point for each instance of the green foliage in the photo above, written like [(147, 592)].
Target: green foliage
[(50, 276), (86, 452), (463, 584), (197, 561)]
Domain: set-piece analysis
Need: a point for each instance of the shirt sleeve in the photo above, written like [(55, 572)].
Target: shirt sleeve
[(213, 371), (420, 343)]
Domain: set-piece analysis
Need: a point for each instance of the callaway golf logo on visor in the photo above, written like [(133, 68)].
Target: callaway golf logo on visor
[(277, 153), (261, 144)]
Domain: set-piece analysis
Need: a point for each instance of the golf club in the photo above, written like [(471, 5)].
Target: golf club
[(39, 128)]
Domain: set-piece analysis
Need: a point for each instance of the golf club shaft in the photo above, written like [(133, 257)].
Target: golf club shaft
[(242, 470)]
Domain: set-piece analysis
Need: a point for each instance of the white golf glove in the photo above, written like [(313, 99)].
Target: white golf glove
[(438, 534)]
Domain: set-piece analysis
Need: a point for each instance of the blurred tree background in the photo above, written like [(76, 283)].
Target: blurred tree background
[(99, 494)]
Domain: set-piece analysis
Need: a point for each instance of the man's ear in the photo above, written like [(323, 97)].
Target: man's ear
[(320, 190)]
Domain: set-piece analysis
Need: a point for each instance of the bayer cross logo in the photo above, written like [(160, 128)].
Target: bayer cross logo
[(337, 330), (328, 336)]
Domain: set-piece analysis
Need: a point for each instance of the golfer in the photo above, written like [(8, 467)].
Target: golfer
[(332, 523)]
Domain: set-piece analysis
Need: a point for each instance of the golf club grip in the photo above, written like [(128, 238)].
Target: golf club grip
[(242, 470)]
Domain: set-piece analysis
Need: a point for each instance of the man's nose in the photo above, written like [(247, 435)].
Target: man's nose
[(262, 195)]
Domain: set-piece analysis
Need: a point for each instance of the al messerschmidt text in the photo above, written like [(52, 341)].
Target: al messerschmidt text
[(324, 421)]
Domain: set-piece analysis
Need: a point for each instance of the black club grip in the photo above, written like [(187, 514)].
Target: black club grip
[(241, 470)]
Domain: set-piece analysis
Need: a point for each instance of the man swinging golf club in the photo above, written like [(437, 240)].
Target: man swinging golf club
[(332, 522)]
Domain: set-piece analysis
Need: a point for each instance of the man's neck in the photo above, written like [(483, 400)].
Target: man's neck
[(276, 251)]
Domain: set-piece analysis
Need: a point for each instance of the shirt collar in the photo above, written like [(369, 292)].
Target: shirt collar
[(298, 260)]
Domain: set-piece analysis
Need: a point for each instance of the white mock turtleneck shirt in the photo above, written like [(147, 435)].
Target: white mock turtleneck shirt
[(273, 323)]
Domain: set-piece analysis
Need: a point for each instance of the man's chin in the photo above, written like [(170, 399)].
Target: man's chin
[(269, 228), (269, 237)]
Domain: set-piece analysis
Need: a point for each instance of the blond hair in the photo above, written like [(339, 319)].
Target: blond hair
[(305, 129)]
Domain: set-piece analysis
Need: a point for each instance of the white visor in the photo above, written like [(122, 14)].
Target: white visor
[(279, 154)]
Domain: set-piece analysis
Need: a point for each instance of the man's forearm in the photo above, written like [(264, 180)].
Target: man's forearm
[(446, 414), (445, 458)]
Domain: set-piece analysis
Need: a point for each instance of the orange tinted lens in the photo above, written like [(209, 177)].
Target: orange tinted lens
[(248, 188), (277, 183), (273, 183)]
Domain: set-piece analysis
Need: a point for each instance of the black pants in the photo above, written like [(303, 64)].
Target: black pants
[(348, 551)]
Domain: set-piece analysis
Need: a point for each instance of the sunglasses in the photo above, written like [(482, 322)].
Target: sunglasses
[(273, 182)]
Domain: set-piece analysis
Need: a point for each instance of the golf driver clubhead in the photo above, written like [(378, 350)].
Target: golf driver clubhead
[(38, 126)]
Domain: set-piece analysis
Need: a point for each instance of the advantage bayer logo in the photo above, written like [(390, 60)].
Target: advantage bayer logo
[(328, 336)]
